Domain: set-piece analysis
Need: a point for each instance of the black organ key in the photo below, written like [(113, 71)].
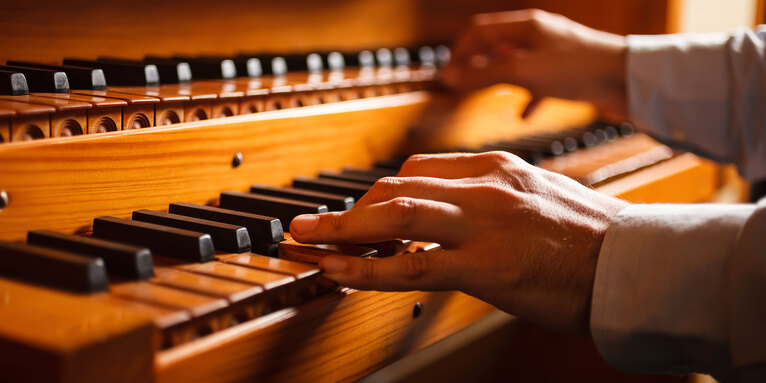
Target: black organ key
[(245, 65), (384, 57), (601, 136), (353, 189), (165, 241), (588, 140), (122, 74), (52, 268), (124, 261), (530, 155), (78, 77), (376, 172), (402, 57), (226, 237), (362, 179), (296, 62), (13, 83), (271, 64), (363, 58), (42, 80), (312, 62), (611, 133), (283, 208), (334, 202), (392, 163), (264, 231), (425, 55), (315, 62), (334, 61), (547, 148), (443, 54), (170, 71), (209, 67), (567, 139), (626, 129)]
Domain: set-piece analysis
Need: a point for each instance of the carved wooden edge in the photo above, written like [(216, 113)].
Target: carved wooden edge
[(338, 337), (662, 182)]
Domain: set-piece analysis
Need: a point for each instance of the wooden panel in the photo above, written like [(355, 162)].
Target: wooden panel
[(683, 179), (150, 168), (88, 28), (330, 339), (47, 335)]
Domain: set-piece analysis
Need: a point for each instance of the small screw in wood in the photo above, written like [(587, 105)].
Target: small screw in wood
[(3, 199), (237, 160), (417, 310)]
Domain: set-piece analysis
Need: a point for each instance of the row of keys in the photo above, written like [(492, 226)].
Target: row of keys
[(110, 94), (191, 269), (21, 77)]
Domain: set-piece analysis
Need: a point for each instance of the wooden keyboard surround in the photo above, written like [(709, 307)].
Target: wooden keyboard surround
[(61, 184)]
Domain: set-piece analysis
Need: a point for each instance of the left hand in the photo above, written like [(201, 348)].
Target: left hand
[(519, 237)]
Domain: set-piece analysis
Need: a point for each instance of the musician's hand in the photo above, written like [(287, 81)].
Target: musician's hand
[(546, 53), (516, 236)]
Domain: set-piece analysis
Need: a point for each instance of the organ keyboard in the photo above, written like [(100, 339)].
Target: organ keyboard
[(180, 174)]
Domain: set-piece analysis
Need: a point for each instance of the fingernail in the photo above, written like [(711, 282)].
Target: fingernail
[(334, 265), (304, 223)]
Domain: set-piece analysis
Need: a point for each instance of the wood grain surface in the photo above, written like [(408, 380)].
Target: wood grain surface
[(48, 30), (338, 338)]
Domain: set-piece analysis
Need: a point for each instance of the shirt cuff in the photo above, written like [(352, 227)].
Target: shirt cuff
[(677, 85), (659, 299)]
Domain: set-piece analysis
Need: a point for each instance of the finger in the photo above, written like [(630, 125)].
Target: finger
[(426, 271), (435, 189), (408, 218), (456, 165), (502, 70), (446, 165), (488, 31)]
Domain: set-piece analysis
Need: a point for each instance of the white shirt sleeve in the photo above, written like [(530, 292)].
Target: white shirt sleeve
[(703, 92), (682, 288)]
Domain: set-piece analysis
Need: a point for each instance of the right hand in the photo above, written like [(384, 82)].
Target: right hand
[(514, 235), (546, 53)]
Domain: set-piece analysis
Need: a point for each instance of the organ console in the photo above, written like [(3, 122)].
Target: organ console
[(145, 195)]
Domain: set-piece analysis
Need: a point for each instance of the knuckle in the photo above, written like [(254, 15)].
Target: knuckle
[(401, 210), (367, 272), (386, 188), (413, 161), (416, 265), (497, 158), (337, 222), (536, 13)]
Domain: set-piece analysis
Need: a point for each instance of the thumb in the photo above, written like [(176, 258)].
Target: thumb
[(428, 271)]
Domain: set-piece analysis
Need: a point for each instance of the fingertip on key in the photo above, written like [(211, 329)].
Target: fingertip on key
[(304, 224)]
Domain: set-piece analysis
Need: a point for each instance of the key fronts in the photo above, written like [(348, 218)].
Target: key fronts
[(125, 261), (164, 241), (52, 268), (264, 231), (226, 237), (283, 208)]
